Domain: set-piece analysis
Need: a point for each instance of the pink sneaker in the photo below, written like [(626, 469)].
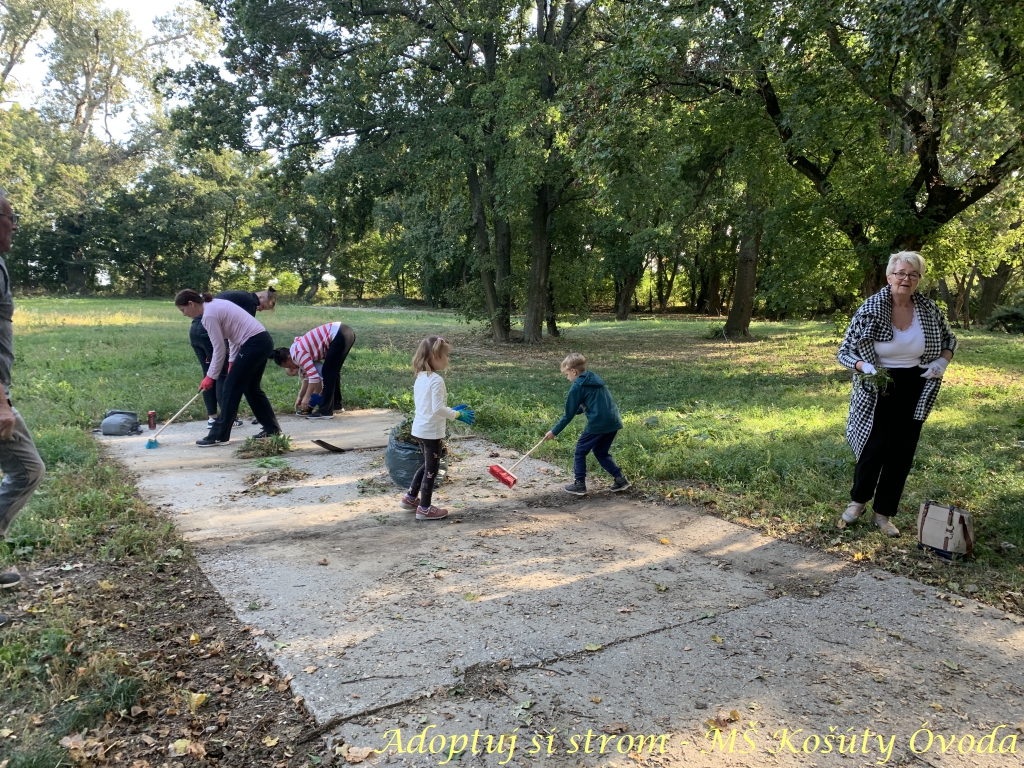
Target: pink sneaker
[(434, 513), (410, 502)]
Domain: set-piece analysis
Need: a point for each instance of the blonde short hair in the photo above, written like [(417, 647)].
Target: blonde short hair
[(910, 257), (574, 361)]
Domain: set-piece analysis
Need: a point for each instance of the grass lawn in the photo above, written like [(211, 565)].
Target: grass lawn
[(750, 431)]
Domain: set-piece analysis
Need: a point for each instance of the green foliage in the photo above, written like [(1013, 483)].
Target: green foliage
[(1009, 318)]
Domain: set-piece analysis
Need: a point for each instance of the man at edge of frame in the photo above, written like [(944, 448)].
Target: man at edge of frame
[(19, 459)]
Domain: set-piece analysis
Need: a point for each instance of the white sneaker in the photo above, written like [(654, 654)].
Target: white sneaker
[(885, 525), (209, 422), (852, 514)]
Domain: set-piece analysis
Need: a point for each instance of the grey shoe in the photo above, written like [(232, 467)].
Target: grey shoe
[(8, 580), (885, 525), (852, 514), (620, 484), (3, 619), (578, 488)]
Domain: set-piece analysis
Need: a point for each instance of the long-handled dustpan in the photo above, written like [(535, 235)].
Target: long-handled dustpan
[(505, 476), (152, 443)]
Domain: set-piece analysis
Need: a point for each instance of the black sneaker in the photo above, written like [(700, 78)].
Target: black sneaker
[(579, 488), (209, 442), (321, 414), (264, 435), (620, 484), (255, 421), (238, 422), (8, 580)]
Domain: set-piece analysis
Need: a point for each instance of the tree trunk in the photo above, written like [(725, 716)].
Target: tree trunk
[(624, 291), (991, 289), (77, 274), (948, 298), (483, 254), (149, 278), (540, 264), (502, 258), (742, 308), (552, 315)]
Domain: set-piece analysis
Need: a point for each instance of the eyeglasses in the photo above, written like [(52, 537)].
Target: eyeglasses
[(14, 217), (904, 275)]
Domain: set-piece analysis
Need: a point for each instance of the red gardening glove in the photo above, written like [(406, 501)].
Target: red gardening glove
[(207, 384)]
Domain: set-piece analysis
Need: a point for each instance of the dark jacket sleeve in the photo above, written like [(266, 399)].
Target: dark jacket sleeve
[(244, 299), (573, 405)]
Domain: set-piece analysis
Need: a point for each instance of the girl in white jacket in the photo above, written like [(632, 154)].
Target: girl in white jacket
[(429, 425)]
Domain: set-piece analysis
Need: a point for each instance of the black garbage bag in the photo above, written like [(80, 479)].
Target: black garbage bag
[(402, 459)]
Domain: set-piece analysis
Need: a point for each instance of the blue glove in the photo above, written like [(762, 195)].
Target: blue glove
[(315, 400), (467, 416), (460, 407)]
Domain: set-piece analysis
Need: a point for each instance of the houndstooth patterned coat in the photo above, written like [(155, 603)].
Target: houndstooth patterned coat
[(873, 322)]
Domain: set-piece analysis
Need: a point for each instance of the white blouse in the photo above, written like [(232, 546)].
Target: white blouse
[(905, 349)]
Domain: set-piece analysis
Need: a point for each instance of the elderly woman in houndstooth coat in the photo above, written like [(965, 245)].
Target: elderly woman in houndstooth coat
[(906, 333)]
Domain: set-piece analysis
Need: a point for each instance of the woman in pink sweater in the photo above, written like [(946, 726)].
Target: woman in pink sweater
[(248, 348)]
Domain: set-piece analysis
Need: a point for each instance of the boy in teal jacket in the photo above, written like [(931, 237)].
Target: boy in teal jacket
[(589, 395)]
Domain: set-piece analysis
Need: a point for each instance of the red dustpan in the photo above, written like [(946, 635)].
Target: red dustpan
[(505, 476)]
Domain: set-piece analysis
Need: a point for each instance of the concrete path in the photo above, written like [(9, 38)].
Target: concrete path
[(529, 609)]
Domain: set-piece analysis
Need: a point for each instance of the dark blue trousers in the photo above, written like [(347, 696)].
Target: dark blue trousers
[(599, 444)]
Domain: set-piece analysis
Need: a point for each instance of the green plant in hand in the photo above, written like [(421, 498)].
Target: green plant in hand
[(878, 379)]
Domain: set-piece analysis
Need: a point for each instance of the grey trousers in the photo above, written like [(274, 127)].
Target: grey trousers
[(23, 470)]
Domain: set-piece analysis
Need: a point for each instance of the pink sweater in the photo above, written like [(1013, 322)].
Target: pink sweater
[(224, 320)]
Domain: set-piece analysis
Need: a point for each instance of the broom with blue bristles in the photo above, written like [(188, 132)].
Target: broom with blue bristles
[(152, 443)]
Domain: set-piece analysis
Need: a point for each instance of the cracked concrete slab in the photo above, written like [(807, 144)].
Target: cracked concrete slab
[(528, 609)]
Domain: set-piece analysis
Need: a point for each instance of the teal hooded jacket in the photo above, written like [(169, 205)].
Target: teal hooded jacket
[(590, 395)]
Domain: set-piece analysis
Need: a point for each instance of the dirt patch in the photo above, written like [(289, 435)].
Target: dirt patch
[(208, 692)]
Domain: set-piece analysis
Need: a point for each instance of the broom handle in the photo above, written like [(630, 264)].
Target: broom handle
[(165, 426), (527, 454)]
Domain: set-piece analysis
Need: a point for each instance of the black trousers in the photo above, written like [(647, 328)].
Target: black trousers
[(244, 378), (423, 480), (331, 373), (885, 462)]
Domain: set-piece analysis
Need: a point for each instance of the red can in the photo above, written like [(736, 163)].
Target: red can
[(152, 419)]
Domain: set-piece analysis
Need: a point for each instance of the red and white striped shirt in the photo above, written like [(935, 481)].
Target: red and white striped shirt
[(312, 347)]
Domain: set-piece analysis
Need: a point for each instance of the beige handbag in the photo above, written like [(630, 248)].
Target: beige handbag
[(947, 531)]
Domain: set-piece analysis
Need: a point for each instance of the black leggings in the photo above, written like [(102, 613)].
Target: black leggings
[(244, 378), (888, 455), (423, 480), (331, 372)]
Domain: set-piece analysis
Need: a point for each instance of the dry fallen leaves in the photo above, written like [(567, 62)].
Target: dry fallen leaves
[(615, 727), (937, 707), (665, 541), (196, 700), (323, 562), (74, 741), (358, 754), (105, 585), (194, 639), (592, 647), (596, 699), (271, 741), (716, 638), (310, 670), (721, 721)]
